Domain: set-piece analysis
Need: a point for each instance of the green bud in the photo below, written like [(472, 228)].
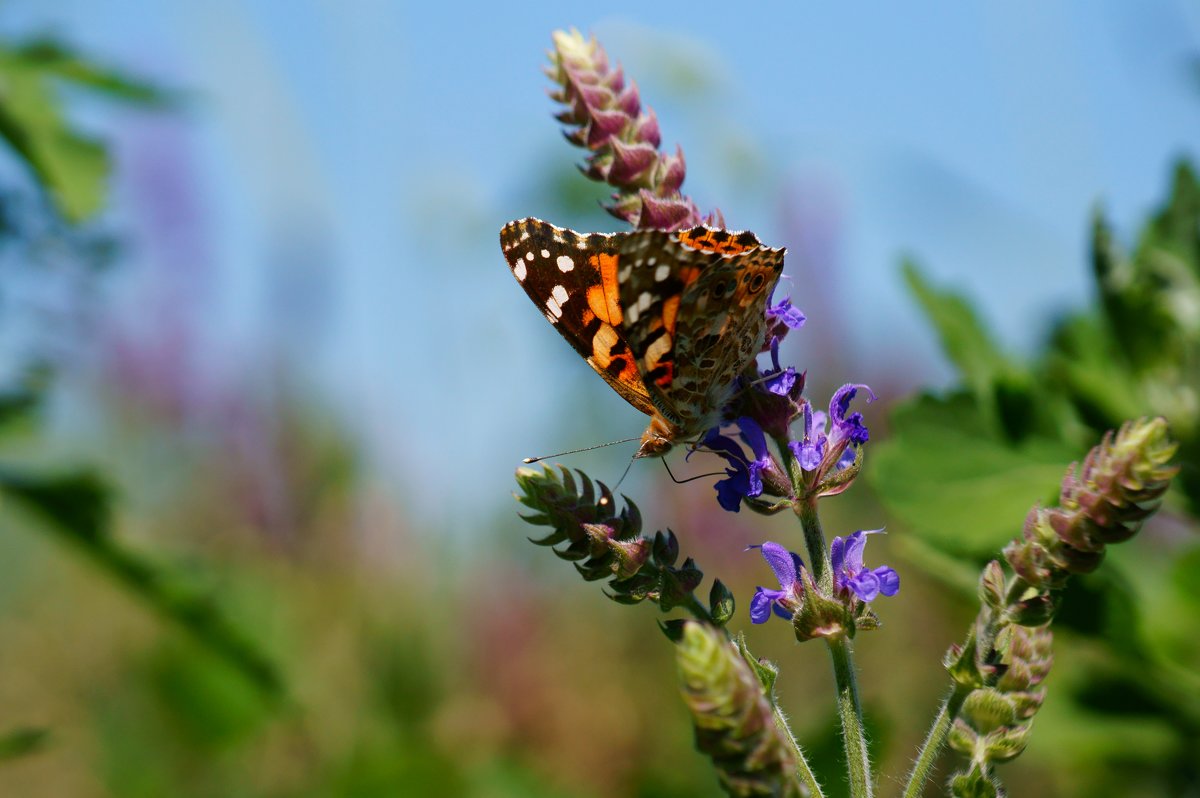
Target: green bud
[(973, 785), (992, 586), (960, 661), (1007, 743), (720, 603), (962, 738), (988, 709), (1036, 610)]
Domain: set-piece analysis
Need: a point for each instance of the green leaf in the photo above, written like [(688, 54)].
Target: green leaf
[(764, 670), (71, 167), (955, 482), (75, 503), (22, 742), (58, 60), (963, 337)]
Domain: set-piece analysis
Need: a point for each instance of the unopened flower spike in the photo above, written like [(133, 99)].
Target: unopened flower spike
[(607, 118)]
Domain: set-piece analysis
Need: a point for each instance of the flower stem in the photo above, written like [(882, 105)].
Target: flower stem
[(699, 611), (802, 769), (853, 735), (849, 709), (933, 742), (814, 541)]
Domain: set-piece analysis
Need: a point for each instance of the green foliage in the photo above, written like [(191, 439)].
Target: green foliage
[(960, 469), (76, 503), (22, 742), (71, 166)]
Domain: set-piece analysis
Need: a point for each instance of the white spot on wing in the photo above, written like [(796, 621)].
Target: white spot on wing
[(554, 308), (559, 294), (631, 314), (662, 272), (565, 264), (524, 234), (545, 253), (519, 271), (644, 301), (528, 256)]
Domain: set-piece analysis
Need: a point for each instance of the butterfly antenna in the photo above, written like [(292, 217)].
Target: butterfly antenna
[(529, 460), (625, 473)]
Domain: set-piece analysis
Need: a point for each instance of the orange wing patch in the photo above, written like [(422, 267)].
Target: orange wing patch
[(605, 298), (721, 242)]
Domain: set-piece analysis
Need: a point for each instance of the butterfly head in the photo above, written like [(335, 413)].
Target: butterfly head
[(658, 438)]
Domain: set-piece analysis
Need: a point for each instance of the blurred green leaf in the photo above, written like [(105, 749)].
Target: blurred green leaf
[(964, 340), (71, 166), (22, 742), (954, 481), (59, 60), (75, 503)]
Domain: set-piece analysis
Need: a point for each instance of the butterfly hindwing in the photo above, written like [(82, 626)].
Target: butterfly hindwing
[(721, 327), (694, 315)]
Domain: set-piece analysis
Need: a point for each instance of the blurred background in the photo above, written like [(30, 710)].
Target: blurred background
[(267, 377)]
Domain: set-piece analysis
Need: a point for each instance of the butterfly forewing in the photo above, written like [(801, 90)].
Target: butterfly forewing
[(572, 278)]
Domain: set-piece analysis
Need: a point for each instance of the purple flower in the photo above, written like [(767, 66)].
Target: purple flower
[(786, 600), (851, 426), (849, 573), (783, 317), (846, 432), (743, 476), (778, 380)]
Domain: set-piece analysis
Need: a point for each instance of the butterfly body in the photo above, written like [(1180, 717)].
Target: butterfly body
[(668, 319)]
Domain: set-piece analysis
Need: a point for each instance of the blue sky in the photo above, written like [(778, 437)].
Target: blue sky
[(353, 162)]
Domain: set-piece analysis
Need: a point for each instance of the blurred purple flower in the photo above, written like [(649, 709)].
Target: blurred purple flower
[(786, 600), (849, 573)]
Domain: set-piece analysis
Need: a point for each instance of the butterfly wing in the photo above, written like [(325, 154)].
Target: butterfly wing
[(695, 315), (572, 279)]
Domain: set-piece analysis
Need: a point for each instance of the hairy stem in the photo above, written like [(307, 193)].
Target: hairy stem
[(814, 541), (802, 769), (850, 711), (933, 742)]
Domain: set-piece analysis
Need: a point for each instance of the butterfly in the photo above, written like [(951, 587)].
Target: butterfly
[(668, 319)]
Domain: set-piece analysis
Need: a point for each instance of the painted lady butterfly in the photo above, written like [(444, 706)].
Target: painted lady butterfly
[(668, 319)]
